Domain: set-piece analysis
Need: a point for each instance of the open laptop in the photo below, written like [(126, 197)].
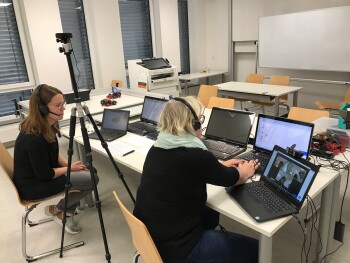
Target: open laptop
[(227, 132), (279, 192), (151, 109), (114, 124), (271, 131)]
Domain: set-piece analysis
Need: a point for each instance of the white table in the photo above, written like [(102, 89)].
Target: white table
[(255, 91), (94, 105), (327, 182), (198, 75)]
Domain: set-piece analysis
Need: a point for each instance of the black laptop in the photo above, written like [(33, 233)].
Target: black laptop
[(279, 192), (227, 132), (114, 124), (271, 131), (151, 109)]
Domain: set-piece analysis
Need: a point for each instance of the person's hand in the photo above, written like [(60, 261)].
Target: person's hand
[(247, 170), (233, 162), (78, 166)]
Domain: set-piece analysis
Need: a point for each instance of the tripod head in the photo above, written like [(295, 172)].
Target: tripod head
[(64, 38)]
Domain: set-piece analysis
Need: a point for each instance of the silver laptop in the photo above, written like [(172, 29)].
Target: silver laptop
[(228, 132), (114, 124), (281, 189), (271, 131)]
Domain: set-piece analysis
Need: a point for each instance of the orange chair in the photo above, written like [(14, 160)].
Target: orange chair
[(251, 78), (205, 92), (221, 102)]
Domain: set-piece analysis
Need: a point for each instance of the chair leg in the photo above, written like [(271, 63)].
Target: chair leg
[(263, 109), (136, 257), (24, 237), (241, 105)]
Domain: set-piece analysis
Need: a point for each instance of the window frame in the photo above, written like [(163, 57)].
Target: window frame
[(22, 31)]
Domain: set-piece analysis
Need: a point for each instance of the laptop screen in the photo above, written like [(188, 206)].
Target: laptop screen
[(152, 107), (291, 177), (271, 131), (115, 119), (230, 125)]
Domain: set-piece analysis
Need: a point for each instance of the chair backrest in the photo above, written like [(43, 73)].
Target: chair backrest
[(347, 96), (205, 92), (281, 81), (307, 115), (114, 82), (221, 102), (255, 78), (141, 238), (6, 161)]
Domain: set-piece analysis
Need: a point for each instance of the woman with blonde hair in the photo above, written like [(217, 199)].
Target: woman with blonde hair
[(171, 199), (39, 169)]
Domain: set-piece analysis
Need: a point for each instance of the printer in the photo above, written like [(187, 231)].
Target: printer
[(154, 75)]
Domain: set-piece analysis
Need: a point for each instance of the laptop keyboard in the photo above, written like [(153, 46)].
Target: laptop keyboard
[(108, 134), (269, 199), (263, 159), (221, 147), (153, 135), (141, 128)]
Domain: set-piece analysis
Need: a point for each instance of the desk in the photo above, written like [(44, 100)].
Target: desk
[(255, 91), (327, 182), (94, 105), (198, 75)]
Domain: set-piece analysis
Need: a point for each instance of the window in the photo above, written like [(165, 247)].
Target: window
[(12, 64), (9, 104), (73, 21), (183, 36), (136, 29)]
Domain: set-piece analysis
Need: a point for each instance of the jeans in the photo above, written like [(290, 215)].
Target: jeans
[(82, 182), (217, 246)]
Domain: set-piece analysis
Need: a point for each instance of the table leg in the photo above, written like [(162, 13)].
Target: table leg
[(265, 249), (277, 105), (325, 220), (295, 99)]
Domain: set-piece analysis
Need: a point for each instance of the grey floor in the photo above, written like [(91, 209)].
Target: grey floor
[(287, 242)]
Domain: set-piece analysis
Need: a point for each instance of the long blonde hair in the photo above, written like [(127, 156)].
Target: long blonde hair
[(177, 119), (35, 122)]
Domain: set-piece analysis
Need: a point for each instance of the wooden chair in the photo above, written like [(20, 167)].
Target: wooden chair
[(114, 82), (6, 163), (251, 78), (205, 92), (307, 115), (333, 106), (221, 102), (275, 80), (141, 238)]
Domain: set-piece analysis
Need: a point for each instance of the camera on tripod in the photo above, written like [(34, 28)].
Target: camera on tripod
[(63, 37)]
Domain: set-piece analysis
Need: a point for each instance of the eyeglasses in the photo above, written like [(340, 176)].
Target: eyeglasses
[(202, 119), (58, 105)]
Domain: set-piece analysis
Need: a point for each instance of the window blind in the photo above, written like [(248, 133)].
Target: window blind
[(7, 103), (12, 64), (73, 21), (183, 36), (136, 29)]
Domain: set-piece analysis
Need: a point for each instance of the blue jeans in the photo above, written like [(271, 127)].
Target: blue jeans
[(217, 246)]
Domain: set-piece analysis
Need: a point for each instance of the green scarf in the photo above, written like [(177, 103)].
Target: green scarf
[(169, 141)]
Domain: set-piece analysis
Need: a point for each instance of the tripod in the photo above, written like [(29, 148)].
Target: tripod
[(64, 38)]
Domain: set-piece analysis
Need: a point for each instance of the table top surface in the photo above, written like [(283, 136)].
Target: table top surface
[(217, 199), (255, 88), (198, 75)]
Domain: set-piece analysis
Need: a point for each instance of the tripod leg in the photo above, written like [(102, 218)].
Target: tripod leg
[(67, 185), (97, 198), (105, 146)]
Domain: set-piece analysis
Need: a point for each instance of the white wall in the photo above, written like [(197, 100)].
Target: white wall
[(49, 65), (245, 31)]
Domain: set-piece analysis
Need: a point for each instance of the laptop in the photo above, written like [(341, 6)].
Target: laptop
[(279, 192), (227, 132), (151, 109), (114, 124), (271, 131)]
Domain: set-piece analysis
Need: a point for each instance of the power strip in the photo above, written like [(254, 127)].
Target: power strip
[(323, 154)]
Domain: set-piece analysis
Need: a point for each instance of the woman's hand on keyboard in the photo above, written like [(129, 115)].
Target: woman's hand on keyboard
[(233, 162), (247, 170)]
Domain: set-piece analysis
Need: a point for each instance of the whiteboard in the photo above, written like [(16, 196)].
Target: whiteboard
[(312, 40)]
